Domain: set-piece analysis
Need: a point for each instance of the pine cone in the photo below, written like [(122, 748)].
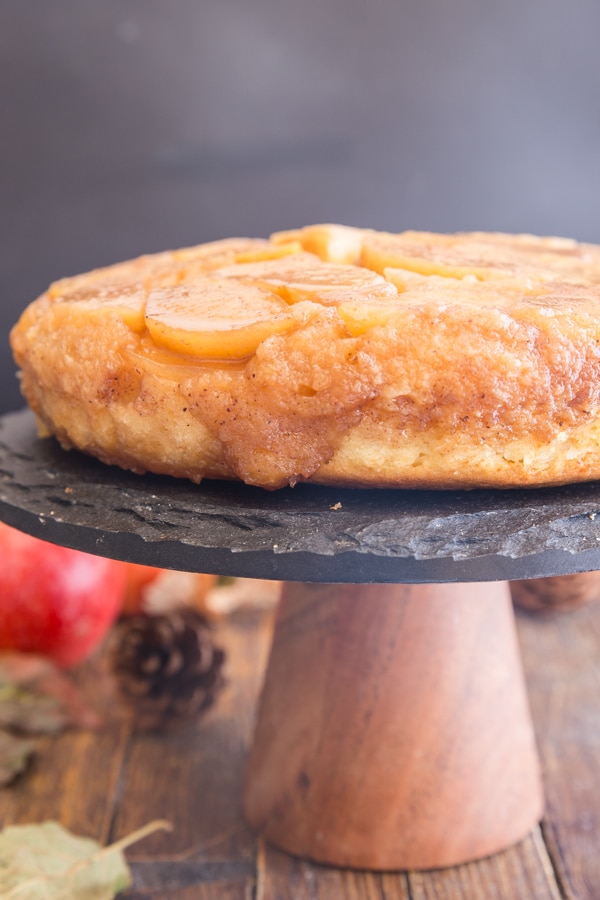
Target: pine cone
[(166, 666)]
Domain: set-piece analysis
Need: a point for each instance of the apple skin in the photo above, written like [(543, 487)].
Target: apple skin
[(138, 578), (55, 601)]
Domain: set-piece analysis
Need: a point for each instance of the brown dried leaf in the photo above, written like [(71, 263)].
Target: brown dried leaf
[(37, 697), (14, 756), (243, 594), (30, 713)]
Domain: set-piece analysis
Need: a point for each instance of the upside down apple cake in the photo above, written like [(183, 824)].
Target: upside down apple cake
[(329, 354)]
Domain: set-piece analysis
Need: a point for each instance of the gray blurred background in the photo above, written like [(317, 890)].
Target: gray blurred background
[(134, 126)]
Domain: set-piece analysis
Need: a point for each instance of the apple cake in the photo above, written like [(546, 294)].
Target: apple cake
[(329, 354)]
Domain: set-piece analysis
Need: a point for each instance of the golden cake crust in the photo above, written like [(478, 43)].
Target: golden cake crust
[(329, 354)]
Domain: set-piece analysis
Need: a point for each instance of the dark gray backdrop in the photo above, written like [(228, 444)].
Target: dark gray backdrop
[(137, 125)]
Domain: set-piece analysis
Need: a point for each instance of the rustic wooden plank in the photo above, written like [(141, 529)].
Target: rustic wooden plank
[(106, 784), (562, 664), (177, 879), (74, 777), (521, 871), (193, 777), (281, 877), (61, 786), (194, 892), (225, 892)]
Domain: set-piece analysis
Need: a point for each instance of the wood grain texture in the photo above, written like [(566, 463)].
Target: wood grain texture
[(393, 729), (562, 660), (524, 871), (283, 877), (193, 778), (74, 778), (89, 781)]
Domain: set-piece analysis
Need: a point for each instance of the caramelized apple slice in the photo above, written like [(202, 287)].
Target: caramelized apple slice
[(331, 243), (418, 292), (215, 318), (128, 300), (485, 256), (426, 254), (132, 273), (303, 277), (271, 251), (217, 253), (501, 291)]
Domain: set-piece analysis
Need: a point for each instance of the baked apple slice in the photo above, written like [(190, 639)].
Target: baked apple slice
[(215, 318), (303, 276)]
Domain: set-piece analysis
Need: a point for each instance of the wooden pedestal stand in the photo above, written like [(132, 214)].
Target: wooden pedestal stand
[(393, 730)]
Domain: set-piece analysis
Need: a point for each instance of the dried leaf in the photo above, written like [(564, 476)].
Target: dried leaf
[(14, 756), (47, 862), (36, 697), (30, 713), (172, 591), (243, 594)]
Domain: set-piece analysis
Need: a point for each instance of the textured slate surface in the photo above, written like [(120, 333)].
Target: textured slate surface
[(308, 533)]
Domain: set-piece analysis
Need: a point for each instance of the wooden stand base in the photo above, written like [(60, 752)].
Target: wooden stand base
[(393, 730)]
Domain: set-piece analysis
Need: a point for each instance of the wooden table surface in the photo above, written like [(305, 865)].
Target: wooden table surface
[(109, 783)]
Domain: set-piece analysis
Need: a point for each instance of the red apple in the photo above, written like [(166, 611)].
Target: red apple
[(53, 600)]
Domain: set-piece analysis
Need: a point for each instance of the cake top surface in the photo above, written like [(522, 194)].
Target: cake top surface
[(223, 298)]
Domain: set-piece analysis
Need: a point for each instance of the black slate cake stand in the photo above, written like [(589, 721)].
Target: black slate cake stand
[(393, 729)]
